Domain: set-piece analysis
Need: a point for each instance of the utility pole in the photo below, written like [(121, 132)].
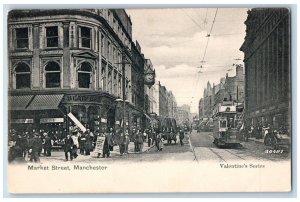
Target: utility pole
[(123, 88)]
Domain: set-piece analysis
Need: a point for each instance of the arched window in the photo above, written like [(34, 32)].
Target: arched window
[(85, 75), (115, 84), (22, 72), (120, 87), (52, 75), (109, 82)]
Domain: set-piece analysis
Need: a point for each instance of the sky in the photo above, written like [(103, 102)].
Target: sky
[(184, 57)]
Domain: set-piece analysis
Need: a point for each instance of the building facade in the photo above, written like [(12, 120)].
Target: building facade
[(70, 61), (184, 116), (229, 88), (172, 105), (267, 67), (163, 101)]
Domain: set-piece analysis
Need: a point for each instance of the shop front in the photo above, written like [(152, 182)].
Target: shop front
[(49, 113), (96, 111), (40, 113)]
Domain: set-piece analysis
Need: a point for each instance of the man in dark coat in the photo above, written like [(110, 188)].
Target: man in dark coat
[(22, 142), (68, 147), (181, 136), (47, 145), (35, 146), (88, 146), (108, 144), (121, 142), (81, 141)]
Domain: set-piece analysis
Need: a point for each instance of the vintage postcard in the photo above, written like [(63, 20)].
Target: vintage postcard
[(149, 100)]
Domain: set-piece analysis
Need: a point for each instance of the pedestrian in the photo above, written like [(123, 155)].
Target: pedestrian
[(16, 150), (68, 147), (22, 142), (47, 145), (108, 144), (145, 135), (75, 144), (35, 146), (153, 136), (88, 143), (139, 141), (127, 142), (81, 141), (121, 142), (159, 142), (150, 137), (181, 136)]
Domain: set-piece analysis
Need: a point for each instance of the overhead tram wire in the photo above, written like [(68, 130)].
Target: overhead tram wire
[(197, 76), (207, 43), (208, 36)]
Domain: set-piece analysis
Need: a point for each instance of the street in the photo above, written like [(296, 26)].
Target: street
[(206, 150), (197, 147)]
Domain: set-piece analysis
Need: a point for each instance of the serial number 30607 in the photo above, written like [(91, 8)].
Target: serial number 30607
[(277, 151)]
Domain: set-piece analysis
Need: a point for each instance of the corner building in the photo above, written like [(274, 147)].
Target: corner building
[(63, 61), (267, 68)]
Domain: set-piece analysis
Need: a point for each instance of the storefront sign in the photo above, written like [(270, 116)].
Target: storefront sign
[(83, 98), (21, 121), (52, 120), (99, 145), (76, 121)]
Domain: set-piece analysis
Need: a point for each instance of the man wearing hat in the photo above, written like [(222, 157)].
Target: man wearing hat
[(47, 145), (68, 147), (35, 146)]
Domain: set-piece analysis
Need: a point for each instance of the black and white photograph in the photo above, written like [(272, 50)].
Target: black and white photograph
[(113, 100)]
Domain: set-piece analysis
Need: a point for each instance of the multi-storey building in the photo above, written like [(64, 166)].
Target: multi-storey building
[(229, 88), (63, 61), (184, 115), (267, 67), (156, 98), (201, 109), (208, 100), (172, 105), (163, 101), (137, 82)]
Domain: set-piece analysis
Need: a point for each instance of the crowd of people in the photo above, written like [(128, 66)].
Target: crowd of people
[(30, 145)]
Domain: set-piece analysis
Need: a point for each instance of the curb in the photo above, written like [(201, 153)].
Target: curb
[(192, 149)]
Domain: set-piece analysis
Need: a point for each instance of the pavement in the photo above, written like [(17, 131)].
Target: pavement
[(59, 155), (260, 141)]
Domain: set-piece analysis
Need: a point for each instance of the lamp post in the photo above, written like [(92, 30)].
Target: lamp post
[(123, 87)]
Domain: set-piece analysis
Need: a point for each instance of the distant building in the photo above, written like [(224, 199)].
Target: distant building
[(172, 105), (208, 100), (184, 115), (163, 101), (201, 108), (267, 67), (229, 88)]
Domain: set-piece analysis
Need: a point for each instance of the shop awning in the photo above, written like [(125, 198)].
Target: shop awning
[(43, 102), (19, 102)]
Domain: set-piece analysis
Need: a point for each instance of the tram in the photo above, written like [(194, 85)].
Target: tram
[(225, 130)]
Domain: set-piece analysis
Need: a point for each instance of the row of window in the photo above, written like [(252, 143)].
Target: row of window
[(85, 40), (52, 75), (51, 37)]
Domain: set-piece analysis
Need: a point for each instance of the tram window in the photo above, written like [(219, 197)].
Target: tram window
[(223, 124), (230, 123)]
